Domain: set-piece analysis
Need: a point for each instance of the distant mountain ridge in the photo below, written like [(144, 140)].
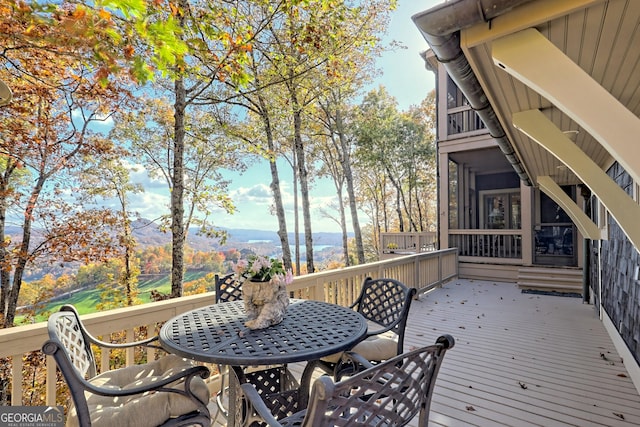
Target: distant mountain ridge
[(149, 234)]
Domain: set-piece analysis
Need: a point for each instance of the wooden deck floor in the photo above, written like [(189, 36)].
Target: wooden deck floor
[(521, 359)]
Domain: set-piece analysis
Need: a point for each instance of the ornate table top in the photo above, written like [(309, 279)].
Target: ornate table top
[(309, 331)]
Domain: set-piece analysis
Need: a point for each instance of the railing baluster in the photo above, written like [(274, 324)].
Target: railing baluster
[(105, 357), (51, 379), (16, 380), (151, 352), (130, 352)]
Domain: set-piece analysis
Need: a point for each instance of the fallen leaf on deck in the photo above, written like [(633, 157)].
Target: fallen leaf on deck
[(522, 385), (622, 375), (470, 408), (619, 415)]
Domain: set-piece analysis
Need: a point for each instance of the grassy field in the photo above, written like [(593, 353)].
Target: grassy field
[(86, 300)]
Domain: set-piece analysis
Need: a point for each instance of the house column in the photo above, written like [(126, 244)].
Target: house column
[(443, 209)]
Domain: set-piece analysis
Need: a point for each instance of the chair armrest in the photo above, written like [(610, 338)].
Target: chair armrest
[(373, 333), (256, 408), (51, 347), (354, 358), (349, 364), (147, 342), (143, 343)]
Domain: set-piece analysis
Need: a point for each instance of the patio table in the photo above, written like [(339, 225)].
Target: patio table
[(216, 334)]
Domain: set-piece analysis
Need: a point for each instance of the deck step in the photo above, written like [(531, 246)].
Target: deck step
[(550, 279)]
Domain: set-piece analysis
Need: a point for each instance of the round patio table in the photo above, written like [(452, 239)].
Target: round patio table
[(216, 334), (309, 331)]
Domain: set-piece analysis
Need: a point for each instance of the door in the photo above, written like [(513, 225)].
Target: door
[(554, 233)]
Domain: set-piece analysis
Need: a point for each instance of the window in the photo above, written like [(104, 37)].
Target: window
[(460, 117), (453, 194), (501, 209), (455, 98)]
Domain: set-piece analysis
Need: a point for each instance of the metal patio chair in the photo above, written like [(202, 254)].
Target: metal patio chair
[(169, 391), (385, 304), (228, 288), (390, 393)]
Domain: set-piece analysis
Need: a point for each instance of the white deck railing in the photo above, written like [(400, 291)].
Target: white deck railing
[(487, 243), (408, 243), (423, 271)]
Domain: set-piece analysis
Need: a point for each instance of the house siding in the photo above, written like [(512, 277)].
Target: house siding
[(620, 289)]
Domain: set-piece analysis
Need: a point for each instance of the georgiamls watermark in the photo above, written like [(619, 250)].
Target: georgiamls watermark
[(31, 416)]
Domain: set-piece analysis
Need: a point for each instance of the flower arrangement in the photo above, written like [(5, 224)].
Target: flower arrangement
[(392, 246), (262, 269)]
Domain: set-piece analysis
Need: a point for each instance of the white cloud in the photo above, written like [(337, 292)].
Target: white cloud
[(138, 174), (102, 122), (150, 205)]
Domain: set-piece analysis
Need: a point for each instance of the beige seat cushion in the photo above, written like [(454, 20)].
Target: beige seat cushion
[(149, 409), (375, 348)]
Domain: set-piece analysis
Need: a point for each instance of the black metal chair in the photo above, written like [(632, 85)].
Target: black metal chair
[(385, 304), (228, 288), (390, 393), (169, 391)]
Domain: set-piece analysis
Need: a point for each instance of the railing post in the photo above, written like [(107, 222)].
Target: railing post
[(440, 269), (51, 379), (417, 275)]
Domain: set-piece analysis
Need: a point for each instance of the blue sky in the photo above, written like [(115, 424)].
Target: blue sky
[(404, 77)]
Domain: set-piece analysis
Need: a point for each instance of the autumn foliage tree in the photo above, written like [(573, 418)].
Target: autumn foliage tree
[(400, 148), (58, 102)]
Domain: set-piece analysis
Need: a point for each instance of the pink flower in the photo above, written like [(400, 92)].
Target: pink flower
[(240, 267), (263, 269), (288, 278)]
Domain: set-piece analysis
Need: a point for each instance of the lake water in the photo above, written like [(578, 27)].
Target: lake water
[(303, 248)]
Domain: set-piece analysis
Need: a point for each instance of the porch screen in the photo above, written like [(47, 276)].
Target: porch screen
[(501, 210)]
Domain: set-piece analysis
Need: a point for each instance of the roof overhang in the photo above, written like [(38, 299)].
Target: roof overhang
[(563, 80)]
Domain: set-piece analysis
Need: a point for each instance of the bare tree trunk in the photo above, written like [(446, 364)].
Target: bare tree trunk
[(348, 175), (128, 256), (5, 268), (177, 192), (421, 219), (277, 194), (343, 226), (282, 221), (399, 211), (296, 216), (23, 256), (302, 175)]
